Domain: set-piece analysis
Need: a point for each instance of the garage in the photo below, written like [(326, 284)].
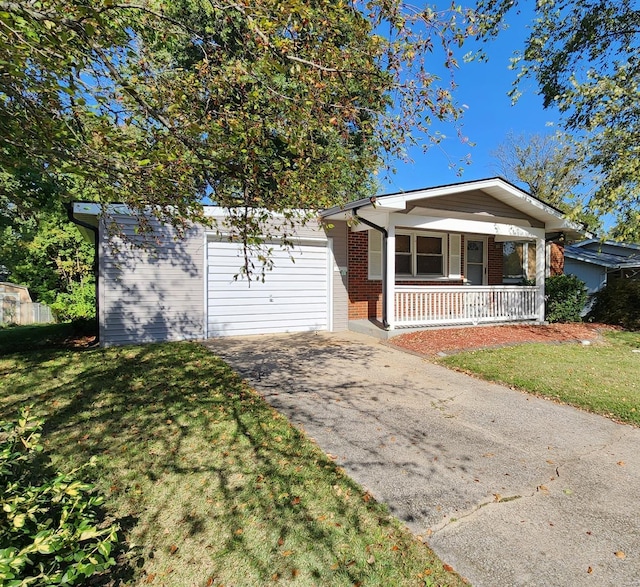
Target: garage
[(293, 298)]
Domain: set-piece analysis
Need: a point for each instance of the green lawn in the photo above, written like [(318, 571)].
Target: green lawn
[(211, 486), (603, 378)]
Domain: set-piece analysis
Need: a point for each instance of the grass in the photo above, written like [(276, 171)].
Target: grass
[(602, 378), (210, 485), (15, 339)]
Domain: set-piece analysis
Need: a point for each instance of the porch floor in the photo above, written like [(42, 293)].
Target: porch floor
[(375, 329)]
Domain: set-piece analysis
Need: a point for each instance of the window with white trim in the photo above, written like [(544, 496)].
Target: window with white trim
[(518, 261), (421, 254)]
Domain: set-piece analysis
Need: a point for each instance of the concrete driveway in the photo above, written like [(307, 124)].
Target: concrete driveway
[(509, 489)]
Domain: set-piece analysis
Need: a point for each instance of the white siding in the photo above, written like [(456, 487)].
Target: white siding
[(150, 295), (292, 298), (340, 299)]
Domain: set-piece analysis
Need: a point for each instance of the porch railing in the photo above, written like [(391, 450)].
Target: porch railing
[(435, 305)]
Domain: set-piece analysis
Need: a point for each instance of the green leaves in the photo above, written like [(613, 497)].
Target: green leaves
[(583, 54), (264, 104), (52, 520)]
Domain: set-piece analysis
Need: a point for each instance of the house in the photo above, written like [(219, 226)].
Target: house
[(422, 258), (597, 262), (12, 298)]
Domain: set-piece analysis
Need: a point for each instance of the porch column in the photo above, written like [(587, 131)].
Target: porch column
[(390, 284), (540, 274)]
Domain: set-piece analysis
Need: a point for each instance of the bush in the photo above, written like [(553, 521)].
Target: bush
[(79, 303), (618, 303), (50, 520), (566, 296)]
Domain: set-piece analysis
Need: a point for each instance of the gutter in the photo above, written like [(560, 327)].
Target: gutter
[(385, 236), (96, 259)]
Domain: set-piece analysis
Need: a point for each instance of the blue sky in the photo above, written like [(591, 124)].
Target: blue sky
[(489, 117)]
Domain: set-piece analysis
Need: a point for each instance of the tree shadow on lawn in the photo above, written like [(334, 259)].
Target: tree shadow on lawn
[(213, 483)]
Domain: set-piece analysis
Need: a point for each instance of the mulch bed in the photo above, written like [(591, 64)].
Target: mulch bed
[(451, 340)]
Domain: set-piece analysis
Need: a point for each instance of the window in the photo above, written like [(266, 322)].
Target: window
[(429, 259), (420, 255), (404, 257), (518, 261)]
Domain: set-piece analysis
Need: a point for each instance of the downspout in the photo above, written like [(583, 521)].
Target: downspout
[(96, 259), (385, 236)]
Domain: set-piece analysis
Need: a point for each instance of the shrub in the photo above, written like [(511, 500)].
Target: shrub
[(78, 303), (618, 303), (566, 296), (49, 520)]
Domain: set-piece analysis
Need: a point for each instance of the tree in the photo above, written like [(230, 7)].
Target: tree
[(46, 253), (627, 228), (259, 105), (584, 55), (553, 171)]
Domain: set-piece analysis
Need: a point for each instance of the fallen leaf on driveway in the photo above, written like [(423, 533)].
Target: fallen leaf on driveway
[(589, 570), (621, 463), (620, 554)]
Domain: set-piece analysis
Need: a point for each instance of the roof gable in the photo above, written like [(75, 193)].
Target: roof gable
[(485, 199)]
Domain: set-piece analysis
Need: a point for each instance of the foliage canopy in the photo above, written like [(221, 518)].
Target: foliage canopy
[(263, 104), (552, 168), (584, 55)]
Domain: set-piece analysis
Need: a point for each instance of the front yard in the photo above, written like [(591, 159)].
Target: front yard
[(210, 486), (602, 377)]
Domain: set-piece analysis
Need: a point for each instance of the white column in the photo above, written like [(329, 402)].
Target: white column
[(540, 274), (391, 276)]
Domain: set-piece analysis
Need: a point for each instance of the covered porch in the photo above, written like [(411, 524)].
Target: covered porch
[(436, 255)]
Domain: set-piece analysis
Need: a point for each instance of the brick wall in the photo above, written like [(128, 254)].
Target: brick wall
[(365, 297), (556, 263)]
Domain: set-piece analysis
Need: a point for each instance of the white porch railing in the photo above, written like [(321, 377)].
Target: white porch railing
[(435, 305)]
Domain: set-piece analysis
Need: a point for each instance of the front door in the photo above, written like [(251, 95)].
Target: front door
[(476, 272)]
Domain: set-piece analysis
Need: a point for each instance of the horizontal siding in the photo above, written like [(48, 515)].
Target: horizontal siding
[(476, 202), (151, 295), (339, 234), (292, 298)]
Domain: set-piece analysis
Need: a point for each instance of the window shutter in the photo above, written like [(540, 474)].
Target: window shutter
[(455, 255), (375, 255)]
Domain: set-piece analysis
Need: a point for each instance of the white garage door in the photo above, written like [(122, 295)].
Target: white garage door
[(293, 297)]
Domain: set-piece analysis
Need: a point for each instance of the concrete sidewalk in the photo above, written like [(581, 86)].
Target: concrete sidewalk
[(509, 489)]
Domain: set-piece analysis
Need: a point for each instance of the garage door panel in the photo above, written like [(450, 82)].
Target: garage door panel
[(300, 318), (257, 301), (293, 297)]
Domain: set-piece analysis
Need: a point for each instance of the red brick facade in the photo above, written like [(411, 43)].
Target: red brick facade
[(556, 259), (365, 296)]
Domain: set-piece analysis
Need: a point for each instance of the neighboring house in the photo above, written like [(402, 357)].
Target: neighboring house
[(16, 306), (427, 257), (597, 262), (12, 299)]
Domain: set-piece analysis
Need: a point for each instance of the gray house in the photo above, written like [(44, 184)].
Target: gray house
[(597, 262), (422, 258)]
